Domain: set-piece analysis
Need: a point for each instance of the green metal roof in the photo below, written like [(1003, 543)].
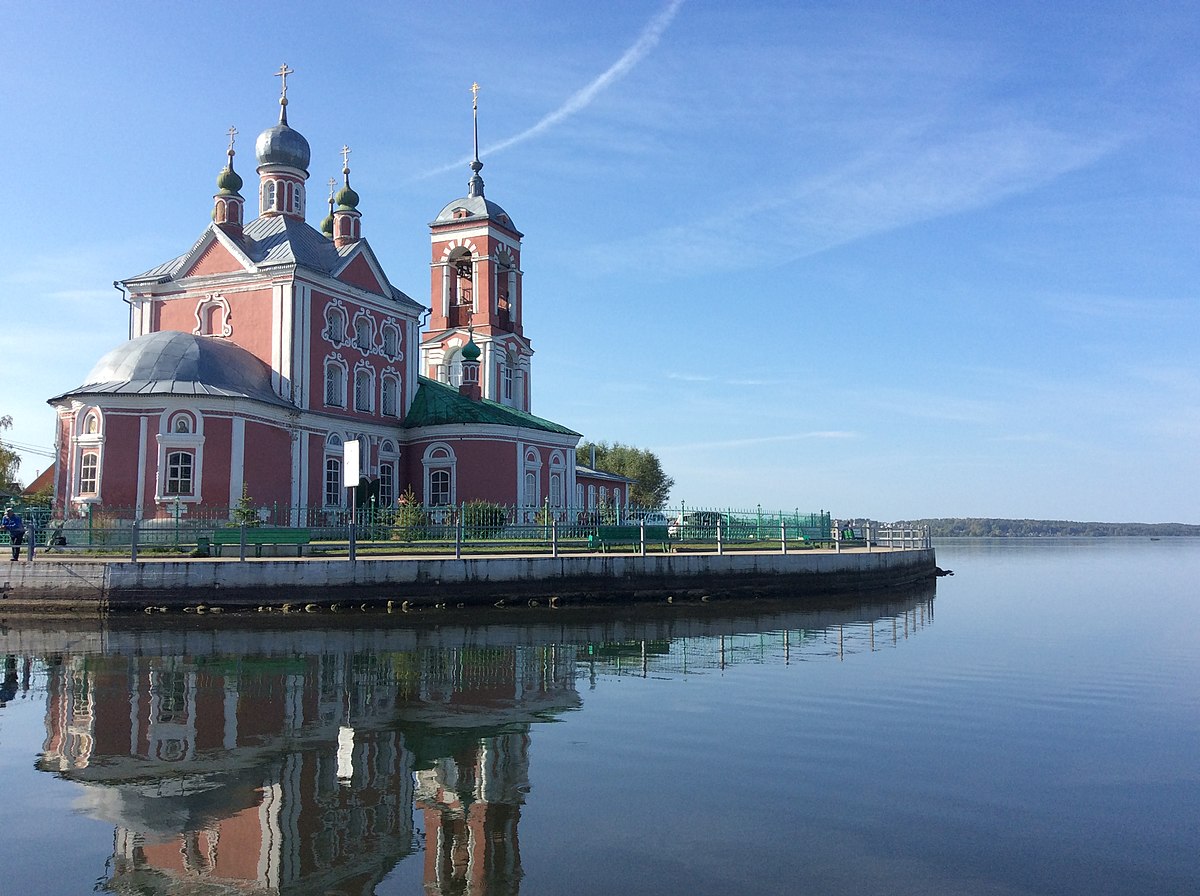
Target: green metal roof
[(437, 404)]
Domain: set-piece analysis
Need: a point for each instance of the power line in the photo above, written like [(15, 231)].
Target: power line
[(29, 449)]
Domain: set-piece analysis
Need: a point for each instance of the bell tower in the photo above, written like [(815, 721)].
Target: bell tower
[(475, 293)]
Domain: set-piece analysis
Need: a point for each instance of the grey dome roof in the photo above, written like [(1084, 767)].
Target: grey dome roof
[(476, 207), (281, 145), (175, 363)]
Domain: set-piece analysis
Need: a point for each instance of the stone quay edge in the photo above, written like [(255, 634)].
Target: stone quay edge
[(82, 586)]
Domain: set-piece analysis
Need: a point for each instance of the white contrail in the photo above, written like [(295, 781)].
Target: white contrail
[(646, 42)]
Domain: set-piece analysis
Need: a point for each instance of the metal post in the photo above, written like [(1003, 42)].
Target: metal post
[(720, 535), (837, 535), (458, 538), (642, 535), (554, 538), (782, 535), (133, 541), (31, 539), (242, 541), (867, 535)]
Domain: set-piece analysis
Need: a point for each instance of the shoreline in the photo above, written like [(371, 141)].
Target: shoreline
[(65, 585)]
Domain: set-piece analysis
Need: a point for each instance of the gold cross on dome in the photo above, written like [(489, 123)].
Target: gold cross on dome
[(282, 74), (232, 133), (475, 95)]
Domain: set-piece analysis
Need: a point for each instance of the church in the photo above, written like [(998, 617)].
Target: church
[(276, 360)]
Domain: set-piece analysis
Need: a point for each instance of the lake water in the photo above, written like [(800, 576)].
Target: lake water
[(1033, 727)]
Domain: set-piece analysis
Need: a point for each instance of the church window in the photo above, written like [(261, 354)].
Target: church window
[(387, 483), (387, 474), (268, 195), (443, 373), (179, 473), (89, 472), (439, 463), (91, 425), (363, 389), (556, 493), (335, 385), (362, 333), (335, 325), (439, 488), (181, 424), (507, 378), (390, 396), (391, 340), (298, 199), (333, 482), (591, 501), (532, 478)]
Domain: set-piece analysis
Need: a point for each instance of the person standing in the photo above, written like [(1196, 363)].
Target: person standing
[(16, 532)]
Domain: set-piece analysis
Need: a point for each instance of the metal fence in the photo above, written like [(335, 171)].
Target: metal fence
[(473, 526)]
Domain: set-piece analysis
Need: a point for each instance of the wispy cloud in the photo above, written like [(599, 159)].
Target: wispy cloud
[(582, 98), (935, 172)]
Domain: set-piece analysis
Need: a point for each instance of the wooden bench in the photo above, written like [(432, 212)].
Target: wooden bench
[(632, 535), (260, 535)]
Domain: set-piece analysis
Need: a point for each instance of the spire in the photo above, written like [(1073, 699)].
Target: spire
[(475, 185), (327, 223), (228, 201), (346, 226), (282, 74)]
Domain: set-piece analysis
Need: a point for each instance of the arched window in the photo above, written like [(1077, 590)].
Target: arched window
[(454, 368), (333, 482), (506, 287), (532, 477), (89, 473), (439, 488), (557, 479), (391, 340), (440, 468), (335, 384), (389, 402), (510, 363), (362, 333), (335, 325), (462, 293), (364, 389), (181, 423), (387, 474), (91, 425), (268, 195)]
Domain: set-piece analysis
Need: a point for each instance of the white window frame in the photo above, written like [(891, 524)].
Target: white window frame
[(440, 457)]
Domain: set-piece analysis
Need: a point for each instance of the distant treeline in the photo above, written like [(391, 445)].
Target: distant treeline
[(991, 528)]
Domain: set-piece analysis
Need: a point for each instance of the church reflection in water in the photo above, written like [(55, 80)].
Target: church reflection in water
[(301, 774), (315, 762)]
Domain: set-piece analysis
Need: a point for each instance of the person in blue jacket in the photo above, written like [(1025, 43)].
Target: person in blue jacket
[(16, 532)]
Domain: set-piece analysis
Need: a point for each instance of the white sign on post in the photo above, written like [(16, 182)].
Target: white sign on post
[(350, 462)]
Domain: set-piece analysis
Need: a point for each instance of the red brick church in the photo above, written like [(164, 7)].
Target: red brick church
[(265, 348)]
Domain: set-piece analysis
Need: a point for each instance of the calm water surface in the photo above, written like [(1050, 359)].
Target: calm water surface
[(1033, 727)]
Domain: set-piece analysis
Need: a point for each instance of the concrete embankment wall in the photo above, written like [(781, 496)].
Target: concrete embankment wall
[(81, 586)]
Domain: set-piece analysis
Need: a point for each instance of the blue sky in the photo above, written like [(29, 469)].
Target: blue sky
[(886, 259)]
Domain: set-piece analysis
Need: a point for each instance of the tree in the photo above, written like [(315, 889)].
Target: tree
[(651, 486), (10, 461)]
